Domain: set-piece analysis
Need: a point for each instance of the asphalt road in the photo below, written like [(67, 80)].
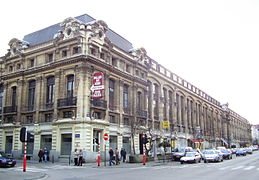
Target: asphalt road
[(239, 168)]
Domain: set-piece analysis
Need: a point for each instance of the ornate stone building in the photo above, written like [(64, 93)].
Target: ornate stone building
[(47, 84)]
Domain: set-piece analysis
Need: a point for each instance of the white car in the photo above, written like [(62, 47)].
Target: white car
[(212, 155), (191, 157)]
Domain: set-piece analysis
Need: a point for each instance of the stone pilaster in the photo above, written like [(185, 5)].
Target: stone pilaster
[(38, 98)]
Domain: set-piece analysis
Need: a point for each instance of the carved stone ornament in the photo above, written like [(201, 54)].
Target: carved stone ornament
[(16, 47), (72, 27), (140, 55), (98, 29)]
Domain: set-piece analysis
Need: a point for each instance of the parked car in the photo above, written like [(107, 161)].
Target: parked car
[(180, 152), (249, 151), (212, 156), (191, 157), (6, 161), (240, 152), (227, 154)]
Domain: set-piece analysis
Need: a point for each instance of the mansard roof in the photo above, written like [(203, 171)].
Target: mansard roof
[(48, 33)]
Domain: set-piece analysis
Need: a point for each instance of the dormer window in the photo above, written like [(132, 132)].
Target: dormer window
[(50, 57)]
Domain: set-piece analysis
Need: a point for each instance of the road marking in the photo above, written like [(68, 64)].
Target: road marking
[(249, 168), (239, 167), (224, 168)]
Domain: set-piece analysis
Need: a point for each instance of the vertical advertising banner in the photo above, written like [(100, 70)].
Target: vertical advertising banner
[(97, 85)]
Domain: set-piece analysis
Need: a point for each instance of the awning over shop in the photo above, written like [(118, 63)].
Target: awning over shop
[(194, 140)]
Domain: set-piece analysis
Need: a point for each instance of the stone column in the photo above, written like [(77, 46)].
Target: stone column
[(56, 95), (38, 98)]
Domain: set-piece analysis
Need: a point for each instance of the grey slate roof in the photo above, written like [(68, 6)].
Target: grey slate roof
[(48, 33)]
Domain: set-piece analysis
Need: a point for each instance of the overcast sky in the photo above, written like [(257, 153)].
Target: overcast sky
[(211, 44)]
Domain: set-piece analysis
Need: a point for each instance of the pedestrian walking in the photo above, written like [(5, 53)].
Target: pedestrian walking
[(111, 157), (45, 155), (80, 155), (76, 156), (117, 155), (40, 154), (123, 154)]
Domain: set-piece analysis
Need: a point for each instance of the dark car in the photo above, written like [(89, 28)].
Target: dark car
[(227, 154), (6, 161)]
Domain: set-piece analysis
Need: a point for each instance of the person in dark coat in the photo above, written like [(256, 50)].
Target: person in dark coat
[(40, 154), (123, 154), (117, 159), (111, 153), (80, 156)]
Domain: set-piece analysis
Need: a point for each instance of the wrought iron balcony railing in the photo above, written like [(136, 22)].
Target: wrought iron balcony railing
[(10, 109), (141, 113), (71, 101), (99, 103)]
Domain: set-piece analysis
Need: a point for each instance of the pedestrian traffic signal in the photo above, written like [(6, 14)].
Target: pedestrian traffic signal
[(144, 139), (23, 134)]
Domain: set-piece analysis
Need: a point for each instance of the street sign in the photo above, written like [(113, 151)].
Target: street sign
[(165, 124), (106, 136), (97, 87)]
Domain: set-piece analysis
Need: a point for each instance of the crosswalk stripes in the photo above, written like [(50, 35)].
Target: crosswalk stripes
[(249, 168), (238, 167)]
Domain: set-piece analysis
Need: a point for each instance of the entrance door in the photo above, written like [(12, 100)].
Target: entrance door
[(113, 142), (8, 144), (66, 144), (46, 142), (127, 144)]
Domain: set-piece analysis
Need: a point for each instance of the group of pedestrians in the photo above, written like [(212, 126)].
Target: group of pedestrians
[(78, 157), (43, 155), (119, 156)]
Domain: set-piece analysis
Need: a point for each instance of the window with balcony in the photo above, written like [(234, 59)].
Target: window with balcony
[(50, 92), (70, 86), (14, 96), (111, 94), (31, 95)]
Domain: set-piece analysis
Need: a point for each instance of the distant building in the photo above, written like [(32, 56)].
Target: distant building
[(71, 82), (255, 134)]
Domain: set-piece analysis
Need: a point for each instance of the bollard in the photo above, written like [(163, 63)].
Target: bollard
[(69, 160), (52, 159)]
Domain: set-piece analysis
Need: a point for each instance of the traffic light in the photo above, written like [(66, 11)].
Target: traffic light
[(23, 134), (144, 139), (30, 137)]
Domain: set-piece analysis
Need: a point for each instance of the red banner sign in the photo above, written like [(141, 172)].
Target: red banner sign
[(97, 85)]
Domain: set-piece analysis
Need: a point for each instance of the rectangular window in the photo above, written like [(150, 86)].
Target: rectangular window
[(10, 68), (76, 50), (70, 86), (126, 121), (64, 53), (114, 62), (112, 119), (1, 97), (128, 68), (29, 119), (67, 114), (31, 95), (31, 63), (125, 96), (102, 56), (50, 57), (14, 96), (48, 117), (50, 91), (111, 94)]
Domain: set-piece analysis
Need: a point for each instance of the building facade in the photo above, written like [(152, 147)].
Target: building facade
[(70, 83)]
